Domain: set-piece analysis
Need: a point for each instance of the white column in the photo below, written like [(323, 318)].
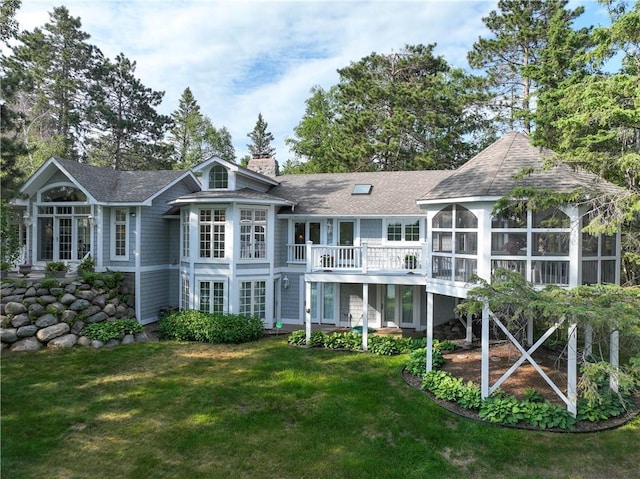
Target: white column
[(574, 246), (469, 337), (484, 368), (429, 332), (307, 310), (365, 315), (572, 359)]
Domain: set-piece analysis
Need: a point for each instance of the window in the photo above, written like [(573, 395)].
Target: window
[(119, 248), (403, 230), (303, 232), (212, 233), (362, 189), (59, 194), (184, 294), (212, 297), (218, 178), (63, 232), (253, 234), (186, 227), (454, 243), (253, 298)]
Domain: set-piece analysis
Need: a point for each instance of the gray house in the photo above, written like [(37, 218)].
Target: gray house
[(386, 249)]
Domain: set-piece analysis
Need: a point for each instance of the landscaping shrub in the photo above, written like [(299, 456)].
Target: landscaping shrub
[(108, 330), (448, 388), (213, 328), (351, 341), (298, 338), (382, 345)]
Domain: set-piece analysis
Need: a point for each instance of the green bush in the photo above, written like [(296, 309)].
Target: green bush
[(48, 283), (382, 345), (317, 339), (609, 405), (212, 328), (108, 330), (298, 338), (349, 341), (448, 388), (417, 364)]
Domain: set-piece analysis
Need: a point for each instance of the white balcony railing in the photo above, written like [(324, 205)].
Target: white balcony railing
[(362, 258)]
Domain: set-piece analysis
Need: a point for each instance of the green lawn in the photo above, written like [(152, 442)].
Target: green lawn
[(263, 410)]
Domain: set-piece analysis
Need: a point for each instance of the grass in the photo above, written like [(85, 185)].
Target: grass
[(264, 409)]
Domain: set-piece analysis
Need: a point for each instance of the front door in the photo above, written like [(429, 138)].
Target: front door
[(345, 238), (398, 306)]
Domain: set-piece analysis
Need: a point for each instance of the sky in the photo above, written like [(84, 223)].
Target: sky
[(241, 58)]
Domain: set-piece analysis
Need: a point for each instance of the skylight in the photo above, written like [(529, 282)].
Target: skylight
[(362, 189)]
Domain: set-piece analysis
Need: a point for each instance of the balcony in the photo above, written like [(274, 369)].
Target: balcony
[(360, 259)]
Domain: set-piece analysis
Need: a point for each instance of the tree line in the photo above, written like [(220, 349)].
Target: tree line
[(405, 110)]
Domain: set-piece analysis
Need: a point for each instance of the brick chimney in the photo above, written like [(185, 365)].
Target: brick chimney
[(265, 166)]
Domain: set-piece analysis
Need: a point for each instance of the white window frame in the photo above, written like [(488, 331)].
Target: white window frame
[(208, 307), (403, 222), (253, 249), (216, 227), (185, 222), (114, 256), (214, 178), (253, 298)]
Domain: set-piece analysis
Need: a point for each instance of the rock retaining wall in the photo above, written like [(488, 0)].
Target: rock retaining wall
[(54, 313)]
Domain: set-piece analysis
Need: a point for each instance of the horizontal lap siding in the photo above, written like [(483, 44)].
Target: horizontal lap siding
[(159, 255), (371, 231), (291, 297)]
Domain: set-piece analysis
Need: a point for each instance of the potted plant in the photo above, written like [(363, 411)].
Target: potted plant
[(326, 260), (410, 261), (87, 265), (56, 269), (25, 268)]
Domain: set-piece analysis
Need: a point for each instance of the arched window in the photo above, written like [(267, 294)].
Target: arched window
[(59, 194), (218, 178)]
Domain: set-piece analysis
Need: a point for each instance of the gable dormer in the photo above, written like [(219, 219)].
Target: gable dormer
[(217, 174)]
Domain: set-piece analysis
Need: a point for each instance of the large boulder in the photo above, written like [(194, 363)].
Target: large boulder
[(27, 331), (64, 341), (67, 299), (26, 344), (47, 334), (14, 308), (79, 305), (9, 335), (20, 320), (46, 321)]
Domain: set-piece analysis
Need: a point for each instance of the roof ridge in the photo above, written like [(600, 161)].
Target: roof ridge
[(504, 157)]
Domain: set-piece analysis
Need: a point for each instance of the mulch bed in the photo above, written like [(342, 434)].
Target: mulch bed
[(466, 363)]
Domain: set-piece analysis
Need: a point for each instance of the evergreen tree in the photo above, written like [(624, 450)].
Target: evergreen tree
[(127, 128), (402, 111), (11, 145), (53, 65), (260, 146), (194, 137), (521, 30)]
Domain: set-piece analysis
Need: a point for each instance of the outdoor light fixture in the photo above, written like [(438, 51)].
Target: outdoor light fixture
[(285, 282)]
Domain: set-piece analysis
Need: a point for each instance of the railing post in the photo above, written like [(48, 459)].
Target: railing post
[(364, 257), (425, 260), (308, 256)]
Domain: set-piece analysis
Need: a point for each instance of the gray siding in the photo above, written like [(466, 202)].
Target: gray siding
[(244, 182), (106, 239), (371, 231), (280, 254), (291, 298), (154, 285)]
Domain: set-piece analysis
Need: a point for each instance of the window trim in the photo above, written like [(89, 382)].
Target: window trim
[(403, 222), (113, 224), (217, 177)]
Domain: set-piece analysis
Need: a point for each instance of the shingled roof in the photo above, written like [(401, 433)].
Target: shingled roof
[(115, 186), (392, 192), (494, 173)]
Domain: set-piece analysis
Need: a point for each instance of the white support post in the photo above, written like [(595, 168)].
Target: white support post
[(429, 332), (529, 331), (365, 315), (572, 376), (469, 337), (614, 359), (307, 310), (484, 367)]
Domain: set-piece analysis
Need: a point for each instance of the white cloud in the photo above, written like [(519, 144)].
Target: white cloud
[(240, 58)]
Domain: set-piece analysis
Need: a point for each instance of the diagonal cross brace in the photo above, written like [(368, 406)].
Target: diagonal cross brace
[(526, 355)]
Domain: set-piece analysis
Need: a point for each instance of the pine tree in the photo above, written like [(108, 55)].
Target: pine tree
[(261, 140), (128, 128), (520, 31), (54, 65)]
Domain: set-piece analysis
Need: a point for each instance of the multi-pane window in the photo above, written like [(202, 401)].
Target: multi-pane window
[(598, 257), (184, 293), (253, 295), (212, 297), (253, 234), (403, 230), (63, 231), (212, 233), (218, 177), (454, 243), (186, 228), (120, 233)]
